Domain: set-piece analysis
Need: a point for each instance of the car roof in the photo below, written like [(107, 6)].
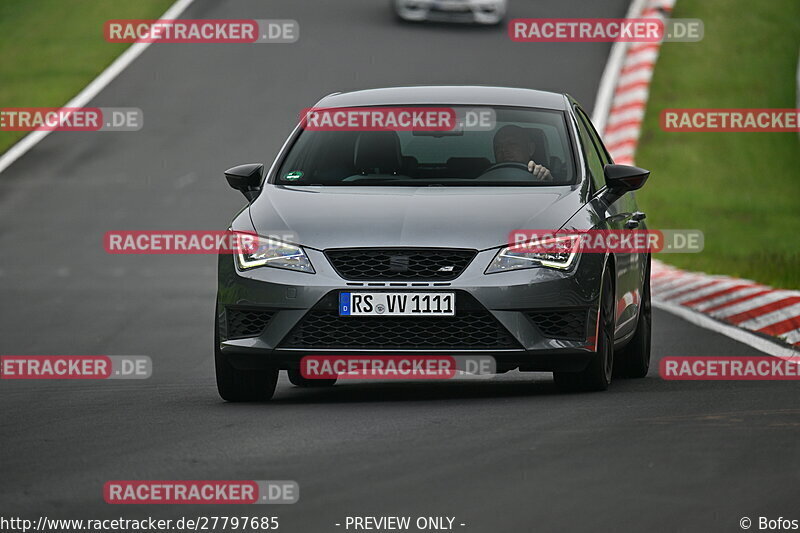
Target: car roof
[(447, 95)]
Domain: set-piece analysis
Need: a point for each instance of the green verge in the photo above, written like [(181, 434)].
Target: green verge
[(51, 49), (741, 189)]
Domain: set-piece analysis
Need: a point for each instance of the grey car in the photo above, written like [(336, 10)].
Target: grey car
[(347, 213)]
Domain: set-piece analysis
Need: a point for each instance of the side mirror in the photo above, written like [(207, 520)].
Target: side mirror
[(247, 179), (623, 178)]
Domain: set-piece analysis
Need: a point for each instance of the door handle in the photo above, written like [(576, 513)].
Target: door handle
[(633, 222)]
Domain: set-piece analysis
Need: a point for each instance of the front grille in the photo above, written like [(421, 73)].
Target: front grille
[(398, 264), (465, 331), (560, 324), (246, 322)]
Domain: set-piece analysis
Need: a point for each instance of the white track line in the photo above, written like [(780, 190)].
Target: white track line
[(91, 90), (754, 341)]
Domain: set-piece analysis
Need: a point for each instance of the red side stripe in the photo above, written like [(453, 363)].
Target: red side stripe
[(622, 125), (637, 66), (631, 86), (763, 310), (718, 294), (737, 300), (784, 326), (625, 107)]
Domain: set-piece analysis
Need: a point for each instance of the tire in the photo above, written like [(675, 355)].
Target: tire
[(633, 361), (235, 385), (597, 374), (298, 380)]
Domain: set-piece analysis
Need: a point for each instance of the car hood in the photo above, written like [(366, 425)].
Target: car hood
[(458, 217)]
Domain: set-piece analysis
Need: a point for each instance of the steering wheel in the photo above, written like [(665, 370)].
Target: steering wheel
[(507, 171), (507, 164)]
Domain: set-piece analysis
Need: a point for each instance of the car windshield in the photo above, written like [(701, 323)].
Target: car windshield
[(516, 147)]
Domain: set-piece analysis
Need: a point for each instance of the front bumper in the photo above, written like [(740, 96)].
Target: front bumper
[(515, 300), (467, 11)]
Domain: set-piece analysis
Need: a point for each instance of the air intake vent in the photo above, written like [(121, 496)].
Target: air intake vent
[(246, 322), (561, 324), (466, 331)]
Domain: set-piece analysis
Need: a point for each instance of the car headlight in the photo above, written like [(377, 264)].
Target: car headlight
[(556, 252), (256, 251)]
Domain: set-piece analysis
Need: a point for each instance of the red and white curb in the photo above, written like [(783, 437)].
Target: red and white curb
[(735, 307), (738, 302)]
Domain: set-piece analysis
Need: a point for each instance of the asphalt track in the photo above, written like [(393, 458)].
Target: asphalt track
[(509, 454)]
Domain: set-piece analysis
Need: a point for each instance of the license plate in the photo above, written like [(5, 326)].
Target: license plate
[(450, 6), (397, 304)]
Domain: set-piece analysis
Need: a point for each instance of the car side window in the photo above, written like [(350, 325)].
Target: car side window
[(598, 143), (592, 156)]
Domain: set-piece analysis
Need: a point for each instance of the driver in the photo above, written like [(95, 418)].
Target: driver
[(512, 144)]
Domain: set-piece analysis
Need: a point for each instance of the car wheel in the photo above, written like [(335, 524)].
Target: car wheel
[(597, 374), (633, 361), (237, 385), (298, 380)]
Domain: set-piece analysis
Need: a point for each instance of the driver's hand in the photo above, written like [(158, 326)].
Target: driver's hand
[(539, 171)]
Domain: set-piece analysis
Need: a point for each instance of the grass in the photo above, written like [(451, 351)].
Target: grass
[(741, 189), (51, 49)]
